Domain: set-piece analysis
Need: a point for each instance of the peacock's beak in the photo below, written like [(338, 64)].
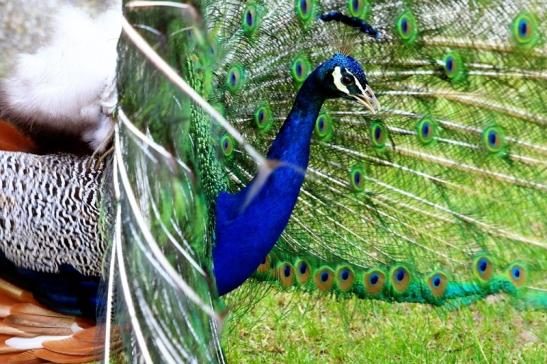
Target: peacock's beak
[(368, 100)]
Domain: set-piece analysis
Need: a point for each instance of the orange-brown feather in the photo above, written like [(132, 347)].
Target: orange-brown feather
[(13, 140), (22, 317), (21, 358)]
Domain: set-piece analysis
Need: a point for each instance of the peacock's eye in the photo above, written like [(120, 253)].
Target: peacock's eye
[(407, 27), (358, 8), (347, 80), (518, 274), (494, 139), (525, 30), (438, 283)]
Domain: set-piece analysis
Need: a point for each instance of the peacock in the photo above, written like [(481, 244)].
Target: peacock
[(383, 150)]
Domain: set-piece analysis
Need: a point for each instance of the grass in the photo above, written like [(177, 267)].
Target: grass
[(296, 327)]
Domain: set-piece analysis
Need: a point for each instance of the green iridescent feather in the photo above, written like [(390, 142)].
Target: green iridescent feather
[(452, 167), (445, 188)]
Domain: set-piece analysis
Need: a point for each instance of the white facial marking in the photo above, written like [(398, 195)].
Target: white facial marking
[(337, 75), (356, 82)]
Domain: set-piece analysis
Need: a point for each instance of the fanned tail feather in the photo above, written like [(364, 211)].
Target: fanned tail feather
[(446, 182), (437, 199), (165, 297)]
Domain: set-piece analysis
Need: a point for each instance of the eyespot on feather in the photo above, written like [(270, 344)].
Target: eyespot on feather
[(227, 145), (483, 268), (518, 274), (235, 78), (493, 139), (374, 281), (305, 10), (437, 283), (407, 27), (357, 178), (358, 8), (454, 66), (300, 68), (426, 130), (324, 127), (285, 273), (524, 29), (324, 278), (303, 271), (250, 18), (378, 134), (400, 278), (344, 278), (263, 116)]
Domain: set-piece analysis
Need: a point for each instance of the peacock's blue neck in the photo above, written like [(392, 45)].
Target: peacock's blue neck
[(292, 143), (247, 231)]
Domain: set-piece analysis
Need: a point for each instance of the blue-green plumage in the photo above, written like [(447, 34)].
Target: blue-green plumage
[(435, 199), (66, 291), (250, 222)]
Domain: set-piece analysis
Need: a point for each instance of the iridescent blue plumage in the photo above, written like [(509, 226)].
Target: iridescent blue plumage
[(66, 291), (408, 205), (246, 231)]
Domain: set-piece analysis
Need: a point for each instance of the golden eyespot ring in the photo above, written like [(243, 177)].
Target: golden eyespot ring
[(374, 281), (324, 279), (285, 272), (400, 279), (518, 274), (344, 278), (303, 271), (437, 283), (483, 267)]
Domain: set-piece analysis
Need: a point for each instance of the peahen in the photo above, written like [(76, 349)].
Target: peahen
[(431, 189)]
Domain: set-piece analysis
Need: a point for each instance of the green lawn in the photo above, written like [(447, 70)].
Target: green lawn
[(296, 327)]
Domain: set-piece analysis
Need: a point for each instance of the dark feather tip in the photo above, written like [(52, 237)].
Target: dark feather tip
[(353, 22)]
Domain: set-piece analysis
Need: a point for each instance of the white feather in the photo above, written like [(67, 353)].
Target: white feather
[(68, 83), (32, 342)]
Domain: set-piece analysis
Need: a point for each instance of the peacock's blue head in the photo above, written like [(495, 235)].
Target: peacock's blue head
[(344, 77)]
